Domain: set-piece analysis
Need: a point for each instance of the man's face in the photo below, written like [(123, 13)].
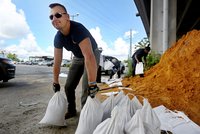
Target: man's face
[(59, 18)]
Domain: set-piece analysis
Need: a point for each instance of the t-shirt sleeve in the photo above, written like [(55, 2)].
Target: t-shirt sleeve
[(58, 41), (79, 34)]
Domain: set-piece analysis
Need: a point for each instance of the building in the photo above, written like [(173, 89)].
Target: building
[(165, 21), (37, 59)]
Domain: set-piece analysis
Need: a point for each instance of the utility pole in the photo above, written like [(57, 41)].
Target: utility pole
[(130, 53), (73, 16)]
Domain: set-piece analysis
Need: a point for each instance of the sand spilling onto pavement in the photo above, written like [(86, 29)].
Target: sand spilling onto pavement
[(175, 81)]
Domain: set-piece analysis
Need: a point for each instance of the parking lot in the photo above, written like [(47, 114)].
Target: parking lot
[(24, 100)]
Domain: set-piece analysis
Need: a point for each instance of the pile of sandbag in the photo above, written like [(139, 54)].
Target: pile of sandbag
[(118, 115)]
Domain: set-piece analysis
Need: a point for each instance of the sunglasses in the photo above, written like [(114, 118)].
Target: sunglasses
[(57, 15)]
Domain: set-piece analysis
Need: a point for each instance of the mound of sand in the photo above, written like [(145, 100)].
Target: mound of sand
[(175, 81)]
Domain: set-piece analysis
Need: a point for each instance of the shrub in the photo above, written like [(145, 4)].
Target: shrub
[(152, 59)]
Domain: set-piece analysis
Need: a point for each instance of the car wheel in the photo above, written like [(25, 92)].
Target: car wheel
[(109, 72)]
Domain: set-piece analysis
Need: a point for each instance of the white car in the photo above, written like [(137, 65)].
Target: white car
[(109, 59), (65, 63)]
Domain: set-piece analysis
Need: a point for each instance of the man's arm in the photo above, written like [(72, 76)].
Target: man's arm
[(57, 63), (89, 57), (145, 60)]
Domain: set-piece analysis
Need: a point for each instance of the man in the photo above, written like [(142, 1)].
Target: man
[(137, 57), (74, 37), (115, 68)]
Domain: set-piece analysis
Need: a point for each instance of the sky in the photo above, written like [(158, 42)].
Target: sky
[(25, 28)]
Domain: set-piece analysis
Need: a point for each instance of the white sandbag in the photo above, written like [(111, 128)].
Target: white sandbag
[(90, 116), (139, 69), (135, 105), (135, 125), (103, 127), (150, 119), (119, 97), (108, 65), (56, 109), (115, 124), (108, 106), (176, 122), (125, 102), (115, 82), (115, 76), (109, 93)]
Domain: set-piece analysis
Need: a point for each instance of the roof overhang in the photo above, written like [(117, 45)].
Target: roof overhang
[(188, 15)]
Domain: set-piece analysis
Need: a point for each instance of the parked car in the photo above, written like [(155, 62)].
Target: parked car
[(42, 63), (65, 63), (46, 63), (7, 69), (110, 58), (50, 63)]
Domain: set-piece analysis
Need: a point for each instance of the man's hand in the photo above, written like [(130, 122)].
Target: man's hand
[(56, 87), (92, 91)]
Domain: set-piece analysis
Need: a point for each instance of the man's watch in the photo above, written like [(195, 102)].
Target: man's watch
[(93, 89)]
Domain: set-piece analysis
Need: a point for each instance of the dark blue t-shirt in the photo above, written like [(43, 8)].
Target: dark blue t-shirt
[(140, 53), (71, 42)]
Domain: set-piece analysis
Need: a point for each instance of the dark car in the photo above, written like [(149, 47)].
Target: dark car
[(7, 69)]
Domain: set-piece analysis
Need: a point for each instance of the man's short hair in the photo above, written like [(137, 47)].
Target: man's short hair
[(148, 48), (52, 5)]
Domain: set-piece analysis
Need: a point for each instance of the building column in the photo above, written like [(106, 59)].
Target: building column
[(162, 24)]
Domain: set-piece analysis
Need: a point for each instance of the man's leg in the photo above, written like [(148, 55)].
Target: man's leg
[(99, 75), (141, 75), (119, 73), (112, 73), (134, 62), (74, 76)]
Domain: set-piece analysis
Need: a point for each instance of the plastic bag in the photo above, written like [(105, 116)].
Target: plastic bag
[(90, 116), (119, 97), (135, 105), (56, 109), (108, 106), (126, 103), (135, 125), (150, 119), (139, 69), (115, 124)]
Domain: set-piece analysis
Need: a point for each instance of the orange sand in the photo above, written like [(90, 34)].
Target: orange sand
[(175, 81)]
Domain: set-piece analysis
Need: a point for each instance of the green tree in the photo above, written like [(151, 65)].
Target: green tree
[(13, 57), (143, 43), (130, 69)]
